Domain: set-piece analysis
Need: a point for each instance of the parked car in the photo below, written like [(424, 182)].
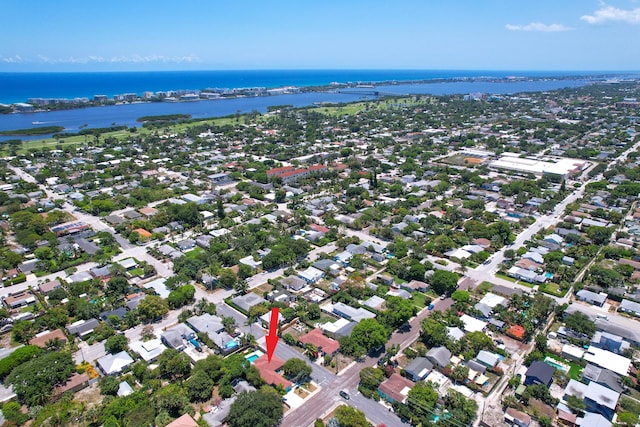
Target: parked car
[(430, 306)]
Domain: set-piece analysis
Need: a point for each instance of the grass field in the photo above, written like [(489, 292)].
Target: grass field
[(484, 287), (332, 110), (552, 289), (193, 252), (419, 300), (121, 135)]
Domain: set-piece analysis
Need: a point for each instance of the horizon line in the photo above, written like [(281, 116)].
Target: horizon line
[(590, 71)]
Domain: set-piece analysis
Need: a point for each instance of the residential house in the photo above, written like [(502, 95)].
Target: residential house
[(487, 358), (591, 419), (608, 360), (118, 312), (150, 350), (439, 356), (43, 339), (270, 371), (311, 275), (418, 369), (50, 286), (185, 420), (186, 245), (174, 336), (631, 307), (74, 384), (395, 388), (399, 293), (204, 241), (517, 418), (343, 258), (609, 342), (415, 286), (19, 299), (325, 346), (375, 302), (604, 377), (476, 366), (82, 328), (245, 302), (592, 298), (293, 283), (351, 313), (539, 373), (112, 364), (601, 400), (455, 333)]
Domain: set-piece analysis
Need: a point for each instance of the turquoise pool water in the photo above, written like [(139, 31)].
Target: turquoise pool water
[(252, 358), (551, 362), (232, 344)]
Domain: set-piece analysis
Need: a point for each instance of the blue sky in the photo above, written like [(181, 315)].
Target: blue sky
[(81, 35)]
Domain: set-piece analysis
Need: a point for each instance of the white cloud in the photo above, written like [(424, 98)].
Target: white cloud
[(609, 13), (538, 27), (15, 59), (130, 59)]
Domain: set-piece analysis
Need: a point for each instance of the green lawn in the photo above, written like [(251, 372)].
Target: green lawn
[(552, 289), (419, 299), (505, 277), (484, 287), (136, 272), (575, 370), (193, 252), (511, 279), (51, 143)]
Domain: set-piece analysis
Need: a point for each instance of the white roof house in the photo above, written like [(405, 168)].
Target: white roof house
[(114, 363), (493, 300), (458, 253), (608, 360), (471, 324), (311, 275), (351, 313), (128, 263), (248, 260), (124, 389), (159, 287), (148, 350)]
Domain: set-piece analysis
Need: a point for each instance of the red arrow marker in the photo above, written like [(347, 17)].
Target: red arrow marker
[(272, 338)]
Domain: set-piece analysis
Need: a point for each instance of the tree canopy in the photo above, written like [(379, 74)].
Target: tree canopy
[(33, 380), (444, 282), (260, 408), (369, 334), (296, 369)]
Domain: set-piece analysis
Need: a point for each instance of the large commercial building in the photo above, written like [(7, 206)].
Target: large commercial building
[(563, 167)]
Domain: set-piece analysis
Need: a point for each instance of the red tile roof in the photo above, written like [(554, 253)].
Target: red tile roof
[(268, 370), (516, 331), (394, 386), (42, 340), (315, 337), (319, 228), (143, 233), (278, 171), (184, 421)]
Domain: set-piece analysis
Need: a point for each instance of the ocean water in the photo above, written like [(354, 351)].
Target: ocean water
[(18, 87)]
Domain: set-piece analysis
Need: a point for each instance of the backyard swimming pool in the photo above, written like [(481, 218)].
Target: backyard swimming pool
[(556, 364)]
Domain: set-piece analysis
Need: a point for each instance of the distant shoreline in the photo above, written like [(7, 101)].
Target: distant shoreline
[(74, 90), (126, 114)]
